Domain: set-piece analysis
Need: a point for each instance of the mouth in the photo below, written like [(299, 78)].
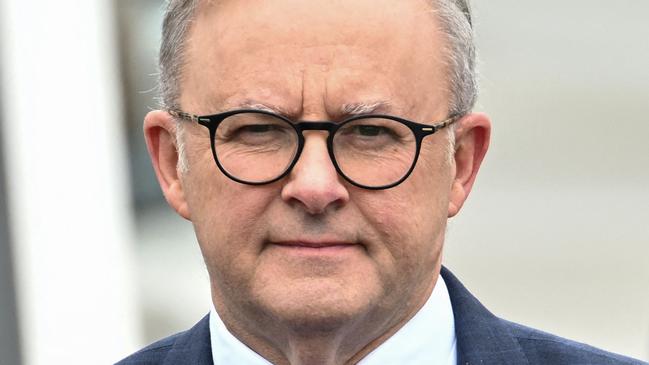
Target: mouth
[(313, 244), (316, 248)]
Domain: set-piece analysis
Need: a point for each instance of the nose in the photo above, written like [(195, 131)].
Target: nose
[(314, 183)]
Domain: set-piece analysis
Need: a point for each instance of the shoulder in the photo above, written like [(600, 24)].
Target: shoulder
[(188, 347), (154, 353), (483, 338), (544, 348)]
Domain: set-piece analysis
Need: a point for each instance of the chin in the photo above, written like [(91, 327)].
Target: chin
[(318, 306)]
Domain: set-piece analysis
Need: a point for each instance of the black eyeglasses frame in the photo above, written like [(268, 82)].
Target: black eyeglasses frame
[(211, 122)]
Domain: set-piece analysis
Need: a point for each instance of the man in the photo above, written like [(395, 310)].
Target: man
[(319, 147)]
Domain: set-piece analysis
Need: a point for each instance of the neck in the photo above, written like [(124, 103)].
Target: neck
[(308, 344), (320, 350)]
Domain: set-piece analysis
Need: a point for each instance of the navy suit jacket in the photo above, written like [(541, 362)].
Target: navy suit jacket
[(482, 339)]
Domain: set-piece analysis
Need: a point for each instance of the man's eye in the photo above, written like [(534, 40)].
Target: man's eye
[(369, 130), (256, 128), (257, 135)]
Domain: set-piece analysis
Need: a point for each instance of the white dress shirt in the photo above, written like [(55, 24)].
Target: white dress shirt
[(428, 338)]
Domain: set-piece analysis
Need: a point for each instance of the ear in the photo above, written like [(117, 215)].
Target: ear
[(472, 136), (160, 136)]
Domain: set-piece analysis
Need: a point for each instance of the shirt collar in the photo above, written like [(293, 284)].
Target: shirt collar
[(428, 338), (227, 349)]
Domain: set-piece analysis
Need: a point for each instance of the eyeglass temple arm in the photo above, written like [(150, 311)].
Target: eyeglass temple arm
[(183, 115), (446, 122)]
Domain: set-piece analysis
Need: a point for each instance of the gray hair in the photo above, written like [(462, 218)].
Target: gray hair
[(455, 18), (456, 24), (175, 28)]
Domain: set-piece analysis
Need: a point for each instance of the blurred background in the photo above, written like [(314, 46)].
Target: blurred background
[(94, 265)]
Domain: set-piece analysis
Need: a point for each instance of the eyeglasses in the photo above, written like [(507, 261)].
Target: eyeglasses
[(257, 147)]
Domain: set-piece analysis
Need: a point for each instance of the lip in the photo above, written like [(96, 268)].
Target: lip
[(316, 249), (313, 244)]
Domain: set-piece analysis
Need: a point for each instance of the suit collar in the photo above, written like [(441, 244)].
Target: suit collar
[(192, 347), (482, 338)]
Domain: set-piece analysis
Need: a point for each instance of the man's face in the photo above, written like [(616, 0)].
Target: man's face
[(312, 251)]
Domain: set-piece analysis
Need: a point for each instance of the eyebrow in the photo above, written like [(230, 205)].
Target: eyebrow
[(353, 109), (250, 104)]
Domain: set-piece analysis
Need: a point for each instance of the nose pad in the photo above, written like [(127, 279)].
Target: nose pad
[(314, 183)]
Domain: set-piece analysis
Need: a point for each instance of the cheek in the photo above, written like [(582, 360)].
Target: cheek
[(431, 179), (404, 227), (215, 202), (408, 221), (227, 218)]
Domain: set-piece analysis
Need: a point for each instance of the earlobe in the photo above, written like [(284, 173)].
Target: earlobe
[(473, 133), (160, 136)]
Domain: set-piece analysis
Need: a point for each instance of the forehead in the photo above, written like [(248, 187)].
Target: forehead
[(296, 53)]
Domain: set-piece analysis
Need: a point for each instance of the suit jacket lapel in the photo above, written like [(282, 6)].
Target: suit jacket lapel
[(192, 347), (482, 338)]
